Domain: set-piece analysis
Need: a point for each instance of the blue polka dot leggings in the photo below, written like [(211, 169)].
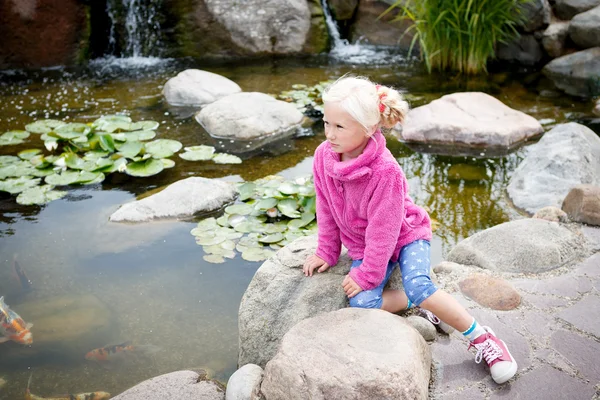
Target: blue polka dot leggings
[(414, 266)]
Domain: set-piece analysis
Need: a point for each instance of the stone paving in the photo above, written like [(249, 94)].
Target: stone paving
[(554, 334)]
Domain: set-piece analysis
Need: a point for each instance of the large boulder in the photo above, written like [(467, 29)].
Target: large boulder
[(584, 29), (249, 116), (244, 384), (470, 119), (526, 246), (195, 88), (554, 38), (350, 354), (567, 9), (69, 325), (566, 156), (43, 33), (582, 204), (524, 50), (343, 9), (182, 199), (537, 15), (578, 73), (179, 385)]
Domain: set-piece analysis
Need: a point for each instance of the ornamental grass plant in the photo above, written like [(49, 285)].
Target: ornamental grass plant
[(460, 35)]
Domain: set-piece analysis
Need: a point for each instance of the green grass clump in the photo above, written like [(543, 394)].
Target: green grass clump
[(460, 35)]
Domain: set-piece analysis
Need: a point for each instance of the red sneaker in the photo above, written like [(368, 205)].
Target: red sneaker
[(496, 355)]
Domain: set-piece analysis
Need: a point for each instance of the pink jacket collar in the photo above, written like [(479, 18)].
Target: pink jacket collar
[(358, 167)]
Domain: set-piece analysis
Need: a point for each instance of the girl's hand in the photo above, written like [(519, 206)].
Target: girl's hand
[(350, 287), (313, 262)]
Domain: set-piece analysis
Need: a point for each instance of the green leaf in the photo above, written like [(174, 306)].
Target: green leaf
[(144, 125), (144, 168), (288, 188), (306, 219), (272, 238), (139, 135), (74, 177), (289, 207), (246, 190), (198, 153), (17, 185), (131, 148), (213, 258), (207, 224), (27, 154), (223, 158), (43, 126), (163, 148), (72, 130), (39, 195), (265, 204), (167, 163), (242, 209), (111, 123), (222, 221), (256, 254), (7, 160), (13, 137), (107, 143), (73, 161), (207, 238), (97, 165)]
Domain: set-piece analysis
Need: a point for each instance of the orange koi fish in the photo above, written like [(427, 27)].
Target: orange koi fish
[(114, 352), (12, 326)]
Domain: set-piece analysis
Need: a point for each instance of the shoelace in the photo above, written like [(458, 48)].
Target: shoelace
[(431, 316), (489, 350)]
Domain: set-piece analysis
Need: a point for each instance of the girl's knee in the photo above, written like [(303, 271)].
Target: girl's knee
[(366, 299), (419, 288)]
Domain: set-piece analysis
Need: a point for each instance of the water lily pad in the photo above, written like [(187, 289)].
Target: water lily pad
[(106, 143), (130, 148), (43, 126), (13, 137), (167, 163), (7, 160), (101, 164), (27, 154), (246, 190), (144, 168), (272, 238), (256, 254), (207, 238), (144, 125), (17, 185), (265, 204), (162, 148), (73, 161), (222, 221), (236, 219), (73, 177), (244, 227), (224, 158), (95, 155), (71, 131), (39, 195), (304, 220), (198, 153), (289, 207), (139, 135), (21, 168), (288, 188), (241, 209), (213, 258), (112, 123)]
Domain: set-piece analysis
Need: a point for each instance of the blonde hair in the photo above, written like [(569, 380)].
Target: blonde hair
[(369, 104)]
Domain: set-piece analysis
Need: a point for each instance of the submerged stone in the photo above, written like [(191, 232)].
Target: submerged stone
[(467, 172)]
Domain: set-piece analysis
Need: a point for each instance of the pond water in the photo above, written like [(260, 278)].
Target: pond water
[(152, 277)]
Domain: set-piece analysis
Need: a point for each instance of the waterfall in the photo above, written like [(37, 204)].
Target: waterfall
[(332, 28)]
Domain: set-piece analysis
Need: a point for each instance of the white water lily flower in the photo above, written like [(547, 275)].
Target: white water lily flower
[(61, 163), (51, 145), (122, 167)]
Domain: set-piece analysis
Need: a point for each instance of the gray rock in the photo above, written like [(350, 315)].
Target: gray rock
[(244, 384), (181, 199), (194, 87), (567, 9), (179, 385), (279, 296), (531, 246), (554, 38), (524, 50), (537, 15), (584, 29), (343, 9), (566, 156), (551, 213), (578, 73), (370, 28), (350, 354), (471, 119), (582, 204), (423, 326), (249, 116)]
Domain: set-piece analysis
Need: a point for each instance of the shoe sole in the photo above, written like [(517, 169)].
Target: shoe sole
[(511, 372)]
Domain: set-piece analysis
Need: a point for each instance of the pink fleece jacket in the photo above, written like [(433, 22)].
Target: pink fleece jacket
[(364, 204)]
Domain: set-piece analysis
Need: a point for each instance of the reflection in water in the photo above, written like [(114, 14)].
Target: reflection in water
[(151, 278)]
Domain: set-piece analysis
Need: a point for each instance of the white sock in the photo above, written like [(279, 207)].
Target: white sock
[(474, 331)]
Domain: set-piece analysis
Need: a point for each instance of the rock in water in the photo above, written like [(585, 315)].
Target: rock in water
[(194, 87), (244, 384), (577, 73)]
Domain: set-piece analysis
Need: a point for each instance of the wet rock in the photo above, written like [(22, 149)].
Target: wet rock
[(554, 38), (279, 296), (180, 385), (524, 50), (582, 204), (368, 27), (359, 354), (567, 9), (62, 24), (577, 74), (566, 156), (490, 292), (537, 15), (182, 199), (244, 384), (584, 29), (467, 172), (526, 246), (552, 214), (64, 327), (249, 116), (343, 9), (471, 119), (423, 326), (446, 267), (195, 88)]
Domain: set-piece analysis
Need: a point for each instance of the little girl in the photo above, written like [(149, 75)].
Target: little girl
[(363, 202)]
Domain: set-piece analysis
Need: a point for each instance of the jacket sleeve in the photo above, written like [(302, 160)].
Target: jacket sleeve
[(385, 214), (329, 243)]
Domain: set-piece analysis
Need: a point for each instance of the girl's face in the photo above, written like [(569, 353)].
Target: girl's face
[(346, 135)]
